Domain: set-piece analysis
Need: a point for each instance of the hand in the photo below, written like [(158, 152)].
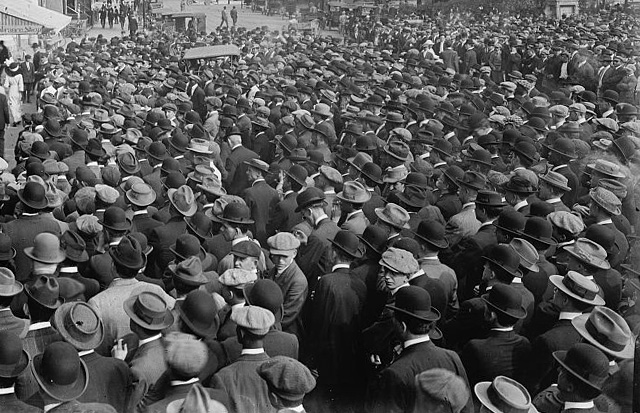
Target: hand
[(120, 350), (581, 209), (375, 360)]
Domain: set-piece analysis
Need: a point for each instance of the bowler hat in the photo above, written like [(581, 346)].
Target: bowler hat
[(94, 147), (128, 253), (200, 313), (298, 174), (267, 294), (308, 197), (519, 185), (473, 180), (505, 258), (506, 299), (526, 149), (236, 213), (538, 230), (433, 233), (115, 219), (199, 225), (373, 172), (415, 302), (414, 197), (348, 242), (13, 358), (187, 245), (46, 249), (79, 325), (375, 238), (504, 395), (148, 310), (606, 330), (60, 372), (33, 195), (586, 363)]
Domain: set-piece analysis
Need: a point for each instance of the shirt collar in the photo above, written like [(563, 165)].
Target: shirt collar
[(520, 204), (252, 351), (51, 406), (8, 390), (237, 240), (486, 224), (350, 214), (554, 201), (69, 270), (141, 212), (578, 405), (502, 329), (39, 326), (437, 164), (555, 168), (606, 221), (30, 214), (468, 204), (415, 341), (338, 266), (566, 315), (149, 340), (257, 181), (85, 353), (417, 274), (321, 217), (182, 382)]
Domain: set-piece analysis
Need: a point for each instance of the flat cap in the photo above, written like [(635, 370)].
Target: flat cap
[(258, 164), (567, 221), (185, 355), (107, 194), (444, 386), (330, 174), (559, 110), (399, 261), (89, 224), (256, 320), (283, 243), (246, 249), (606, 199), (236, 277), (287, 377)]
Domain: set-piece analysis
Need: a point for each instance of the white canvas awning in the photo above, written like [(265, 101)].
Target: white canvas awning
[(29, 11)]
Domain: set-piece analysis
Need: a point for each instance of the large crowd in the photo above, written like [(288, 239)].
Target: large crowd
[(437, 216)]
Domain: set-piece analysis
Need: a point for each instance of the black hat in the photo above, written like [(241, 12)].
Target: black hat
[(506, 258), (309, 197), (538, 231), (200, 313), (128, 253), (348, 242), (505, 299), (33, 195), (415, 302), (432, 232)]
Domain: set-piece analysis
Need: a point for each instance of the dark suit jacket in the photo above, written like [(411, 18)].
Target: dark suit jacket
[(9, 322), (503, 353), (110, 381), (236, 180), (4, 112), (22, 231), (395, 391), (27, 72), (437, 291), (295, 288), (147, 365), (143, 223), (75, 406), (197, 99), (218, 246), (161, 238), (449, 205), (276, 343), (284, 216), (168, 393), (74, 161), (620, 247), (11, 404), (376, 201), (569, 198), (261, 200)]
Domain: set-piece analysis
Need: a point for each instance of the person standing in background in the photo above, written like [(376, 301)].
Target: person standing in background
[(14, 87), (28, 77), (4, 121)]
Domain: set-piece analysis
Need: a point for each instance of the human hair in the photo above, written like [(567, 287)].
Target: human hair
[(415, 326), (581, 390), (38, 312), (124, 272)]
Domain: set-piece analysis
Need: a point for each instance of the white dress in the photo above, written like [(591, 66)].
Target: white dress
[(14, 86)]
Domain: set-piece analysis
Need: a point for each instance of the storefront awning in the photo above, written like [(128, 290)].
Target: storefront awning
[(26, 10)]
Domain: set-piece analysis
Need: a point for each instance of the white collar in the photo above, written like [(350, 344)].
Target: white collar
[(236, 146), (182, 382), (437, 164), (578, 405), (51, 406), (338, 266), (502, 329), (416, 274), (85, 353), (149, 340), (8, 390), (321, 217), (605, 221), (516, 280), (486, 224), (299, 409), (469, 204), (520, 204), (252, 351), (69, 270), (141, 212), (30, 214), (178, 157), (257, 181), (418, 340), (555, 168), (566, 315), (237, 240), (607, 113), (350, 214), (39, 326), (554, 200)]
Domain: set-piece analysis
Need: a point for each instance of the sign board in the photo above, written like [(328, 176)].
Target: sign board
[(155, 5)]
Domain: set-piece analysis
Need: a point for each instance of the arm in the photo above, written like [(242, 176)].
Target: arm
[(294, 301)]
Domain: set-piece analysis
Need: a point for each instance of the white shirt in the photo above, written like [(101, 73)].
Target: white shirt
[(338, 266), (39, 326), (8, 390), (69, 270), (252, 351), (578, 405), (520, 204), (149, 340), (182, 382), (565, 315), (418, 340), (502, 329)]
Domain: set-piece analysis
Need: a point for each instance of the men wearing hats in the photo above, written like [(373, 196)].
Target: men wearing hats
[(43, 298), (240, 380), (504, 352), (110, 379), (352, 198), (139, 197), (63, 378), (9, 289), (502, 394), (517, 193), (283, 248), (603, 206), (573, 295), (236, 179), (447, 183), (583, 372), (440, 389), (393, 219), (553, 186), (74, 248), (233, 282), (260, 197), (335, 310), (127, 260), (561, 152), (32, 222), (464, 223), (284, 215), (14, 361), (288, 381), (394, 389)]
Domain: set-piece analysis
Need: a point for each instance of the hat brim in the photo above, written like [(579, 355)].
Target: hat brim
[(378, 212), (364, 198), (614, 212), (443, 244), (431, 315), (560, 357), (166, 322), (11, 290), (312, 201), (482, 393), (519, 313), (217, 191), (63, 393), (209, 332), (35, 205), (197, 231), (556, 280), (92, 341), (202, 254), (133, 266), (358, 253), (59, 257), (515, 273), (546, 241), (579, 323), (402, 197), (9, 371), (469, 185), (150, 200), (555, 184), (604, 265)]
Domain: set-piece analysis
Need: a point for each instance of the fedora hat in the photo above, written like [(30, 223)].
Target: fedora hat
[(510, 221), (528, 254), (199, 172), (443, 147), (183, 200), (578, 287), (375, 238), (74, 247), (505, 299), (398, 150), (46, 249), (589, 252), (586, 363), (505, 258), (199, 224), (33, 195), (199, 146), (40, 150), (13, 358), (128, 253), (100, 116), (432, 232), (354, 192), (149, 310), (258, 164), (196, 400), (298, 174), (128, 163), (157, 150), (565, 147), (606, 330), (9, 287), (60, 372), (211, 185), (414, 197), (287, 141), (397, 174), (45, 291), (188, 245), (349, 243), (519, 185), (373, 172), (473, 180), (360, 160), (415, 302), (308, 197), (94, 148), (237, 213), (200, 313), (79, 325), (606, 200), (538, 230), (115, 219), (504, 395), (141, 194), (189, 271), (394, 215), (557, 180), (322, 109), (490, 199)]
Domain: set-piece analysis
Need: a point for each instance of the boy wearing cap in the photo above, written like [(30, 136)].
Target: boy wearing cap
[(240, 381), (288, 381), (233, 281)]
